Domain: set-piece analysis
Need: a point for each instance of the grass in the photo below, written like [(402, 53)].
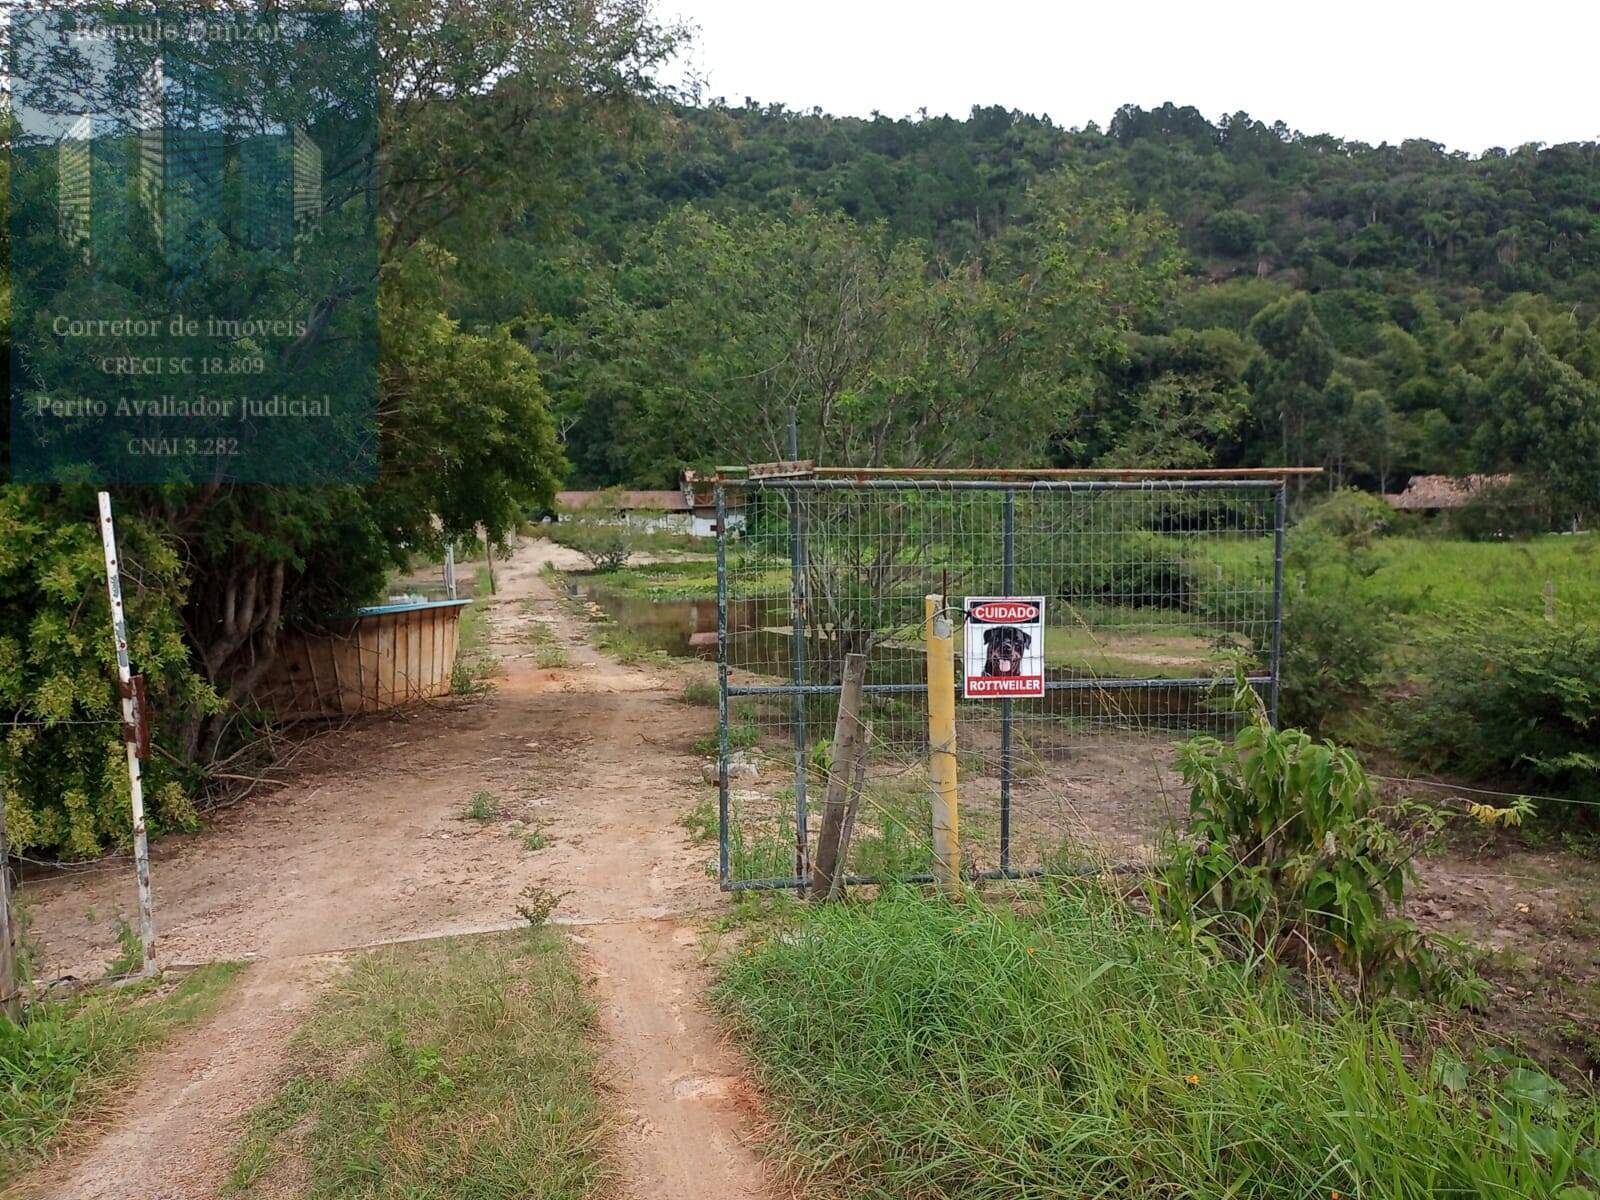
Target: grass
[(535, 838), (474, 664), (1429, 576), (690, 578), (61, 1069), (701, 820), (890, 840), (459, 1068), (741, 736), (917, 1048), (548, 652), (130, 951), (678, 579), (483, 808), (1422, 573), (625, 645), (702, 692), (474, 631), (1145, 654)]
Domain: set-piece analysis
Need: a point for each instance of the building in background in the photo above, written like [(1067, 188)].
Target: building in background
[(1443, 493)]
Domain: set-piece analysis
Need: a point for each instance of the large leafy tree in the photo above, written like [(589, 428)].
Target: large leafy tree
[(492, 109), (1288, 377), (1166, 401), (1546, 415), (481, 107), (713, 334)]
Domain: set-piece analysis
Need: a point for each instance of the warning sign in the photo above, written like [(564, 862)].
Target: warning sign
[(1004, 657)]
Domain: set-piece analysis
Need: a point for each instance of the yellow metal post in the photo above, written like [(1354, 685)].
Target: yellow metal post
[(942, 744)]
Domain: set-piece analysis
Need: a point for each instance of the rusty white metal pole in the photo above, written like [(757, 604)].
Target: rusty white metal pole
[(130, 735), (450, 569)]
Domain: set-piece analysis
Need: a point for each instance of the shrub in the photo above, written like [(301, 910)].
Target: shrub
[(1335, 635), (63, 777), (1517, 509), (1352, 516), (1288, 854), (1504, 695), (607, 547), (599, 530), (483, 808), (1136, 568)]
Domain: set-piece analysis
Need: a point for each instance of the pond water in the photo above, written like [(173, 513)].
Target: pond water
[(688, 628)]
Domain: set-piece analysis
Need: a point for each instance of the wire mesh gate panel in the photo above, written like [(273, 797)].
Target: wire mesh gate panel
[(1155, 589)]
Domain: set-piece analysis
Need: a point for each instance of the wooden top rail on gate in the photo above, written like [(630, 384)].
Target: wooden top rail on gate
[(761, 471)]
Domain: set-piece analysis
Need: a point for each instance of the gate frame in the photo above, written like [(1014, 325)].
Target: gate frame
[(801, 477)]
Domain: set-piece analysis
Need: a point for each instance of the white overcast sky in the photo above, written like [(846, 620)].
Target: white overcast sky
[(1466, 73)]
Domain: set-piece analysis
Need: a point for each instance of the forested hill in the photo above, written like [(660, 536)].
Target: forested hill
[(1379, 311), (1249, 198)]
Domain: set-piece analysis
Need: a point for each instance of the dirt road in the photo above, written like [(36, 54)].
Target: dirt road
[(370, 844)]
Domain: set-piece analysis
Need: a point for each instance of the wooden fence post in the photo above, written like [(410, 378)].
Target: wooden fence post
[(939, 634), (848, 746), (851, 811), (10, 980)]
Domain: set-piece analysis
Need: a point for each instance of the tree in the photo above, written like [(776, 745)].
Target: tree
[(1545, 420), (473, 93), (713, 334), (468, 94), (1289, 375), (1166, 401), (1374, 436), (1235, 233)]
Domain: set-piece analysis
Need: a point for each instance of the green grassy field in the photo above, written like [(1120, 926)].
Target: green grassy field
[(1419, 574), (1431, 575), (917, 1048), (62, 1068), (442, 1070)]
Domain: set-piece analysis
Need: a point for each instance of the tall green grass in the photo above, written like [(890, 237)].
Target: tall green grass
[(1432, 574), (923, 1049), (60, 1069)]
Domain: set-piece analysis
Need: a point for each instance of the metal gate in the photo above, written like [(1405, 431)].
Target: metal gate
[(1157, 585)]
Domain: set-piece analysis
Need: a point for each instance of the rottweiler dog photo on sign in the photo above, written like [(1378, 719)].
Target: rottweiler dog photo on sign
[(1004, 647)]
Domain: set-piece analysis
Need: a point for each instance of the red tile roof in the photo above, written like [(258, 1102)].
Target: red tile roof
[(662, 501), (1444, 491)]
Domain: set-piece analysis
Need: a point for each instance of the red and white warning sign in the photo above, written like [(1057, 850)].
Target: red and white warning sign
[(1004, 657)]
